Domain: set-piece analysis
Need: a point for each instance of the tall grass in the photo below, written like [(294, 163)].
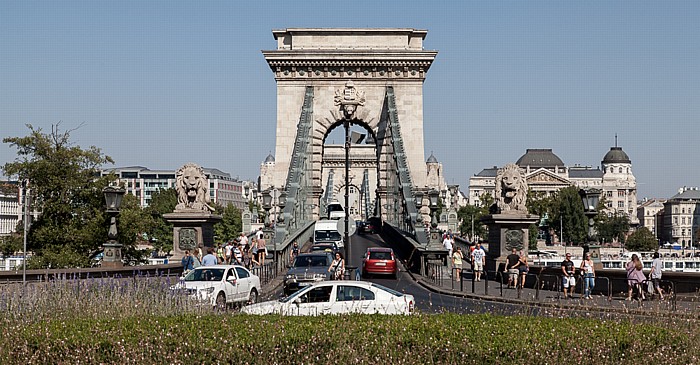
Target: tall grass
[(140, 321)]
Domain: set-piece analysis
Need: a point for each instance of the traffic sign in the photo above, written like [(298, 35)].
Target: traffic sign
[(352, 226)]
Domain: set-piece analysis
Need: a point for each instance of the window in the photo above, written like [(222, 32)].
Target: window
[(683, 220), (352, 293), (683, 210), (322, 294), (352, 190), (242, 273), (609, 204), (608, 194), (620, 193), (619, 169), (620, 204)]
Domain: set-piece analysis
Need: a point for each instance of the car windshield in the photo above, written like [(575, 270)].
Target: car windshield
[(309, 261), (391, 291), (205, 275), (379, 255), (335, 208), (326, 236)]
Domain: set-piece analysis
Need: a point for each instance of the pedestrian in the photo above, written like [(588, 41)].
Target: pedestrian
[(237, 255), (187, 262), (447, 243), (588, 276), (259, 234), (209, 259), (512, 263), (655, 274), (478, 261), (198, 253), (337, 267), (457, 263), (244, 240), (220, 253), (254, 251), (635, 277), (227, 252), (523, 269), (294, 252), (262, 251), (568, 271)]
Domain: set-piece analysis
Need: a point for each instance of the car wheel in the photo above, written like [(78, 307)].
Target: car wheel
[(253, 297), (395, 275), (221, 302)]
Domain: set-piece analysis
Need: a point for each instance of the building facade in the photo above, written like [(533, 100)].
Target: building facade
[(680, 218), (650, 215), (10, 209), (142, 182), (546, 173)]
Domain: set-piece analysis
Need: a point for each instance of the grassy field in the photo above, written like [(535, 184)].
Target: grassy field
[(140, 322)]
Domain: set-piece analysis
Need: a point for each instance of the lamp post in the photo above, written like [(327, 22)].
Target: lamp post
[(113, 249), (346, 125), (590, 199), (25, 196), (267, 205), (433, 195)]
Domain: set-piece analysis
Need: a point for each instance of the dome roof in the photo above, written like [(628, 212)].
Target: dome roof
[(431, 159), (539, 158), (616, 155), (270, 158)]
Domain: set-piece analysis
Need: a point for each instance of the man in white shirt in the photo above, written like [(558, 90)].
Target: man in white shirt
[(478, 261), (447, 242)]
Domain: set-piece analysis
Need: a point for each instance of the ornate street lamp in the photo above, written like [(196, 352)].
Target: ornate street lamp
[(113, 249), (433, 196), (419, 199), (267, 204), (590, 199)]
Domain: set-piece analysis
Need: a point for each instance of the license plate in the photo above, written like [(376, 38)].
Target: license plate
[(304, 284), (380, 264)]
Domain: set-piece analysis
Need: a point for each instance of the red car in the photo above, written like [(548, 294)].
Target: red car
[(380, 260)]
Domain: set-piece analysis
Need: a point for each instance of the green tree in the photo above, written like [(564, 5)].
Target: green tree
[(159, 230), (467, 213), (67, 189), (532, 237), (540, 204), (231, 224), (642, 240), (611, 228), (568, 207)]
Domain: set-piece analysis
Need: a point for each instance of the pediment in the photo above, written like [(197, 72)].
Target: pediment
[(545, 177)]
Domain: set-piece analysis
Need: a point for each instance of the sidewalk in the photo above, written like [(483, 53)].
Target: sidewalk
[(493, 290)]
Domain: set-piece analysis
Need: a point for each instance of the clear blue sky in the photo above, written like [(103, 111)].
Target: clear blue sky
[(161, 83)]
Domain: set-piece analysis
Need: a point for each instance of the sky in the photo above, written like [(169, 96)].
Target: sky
[(162, 83)]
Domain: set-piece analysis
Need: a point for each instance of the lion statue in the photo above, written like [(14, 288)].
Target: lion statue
[(192, 188), (511, 190)]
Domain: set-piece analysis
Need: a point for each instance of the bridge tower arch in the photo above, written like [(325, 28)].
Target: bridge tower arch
[(372, 60)]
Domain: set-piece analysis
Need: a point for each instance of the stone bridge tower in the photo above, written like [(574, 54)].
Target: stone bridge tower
[(333, 60)]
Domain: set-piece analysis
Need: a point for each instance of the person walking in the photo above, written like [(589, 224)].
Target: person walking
[(294, 252), (209, 259), (254, 252), (635, 277), (447, 243), (262, 251), (478, 261), (457, 263), (523, 268), (187, 262), (655, 274), (237, 255), (512, 264), (568, 271), (588, 276), (337, 267)]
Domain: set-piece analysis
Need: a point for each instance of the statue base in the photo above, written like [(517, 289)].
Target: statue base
[(112, 256), (191, 229), (507, 231)]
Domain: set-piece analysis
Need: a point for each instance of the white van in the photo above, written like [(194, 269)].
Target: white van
[(335, 211), (327, 231)]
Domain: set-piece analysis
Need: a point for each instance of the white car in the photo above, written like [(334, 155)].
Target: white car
[(338, 297), (221, 285)]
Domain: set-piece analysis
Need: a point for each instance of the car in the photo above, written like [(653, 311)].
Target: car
[(330, 247), (361, 227), (374, 225), (338, 297), (379, 260), (221, 286), (306, 269)]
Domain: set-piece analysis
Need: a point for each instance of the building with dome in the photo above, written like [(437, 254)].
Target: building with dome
[(546, 173)]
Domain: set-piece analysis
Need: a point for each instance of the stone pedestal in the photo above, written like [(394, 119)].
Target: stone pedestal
[(112, 256), (191, 229), (507, 231)]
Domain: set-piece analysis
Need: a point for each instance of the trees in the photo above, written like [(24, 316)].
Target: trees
[(159, 230), (568, 208), (67, 190), (642, 240), (613, 227), (231, 224), (465, 215)]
